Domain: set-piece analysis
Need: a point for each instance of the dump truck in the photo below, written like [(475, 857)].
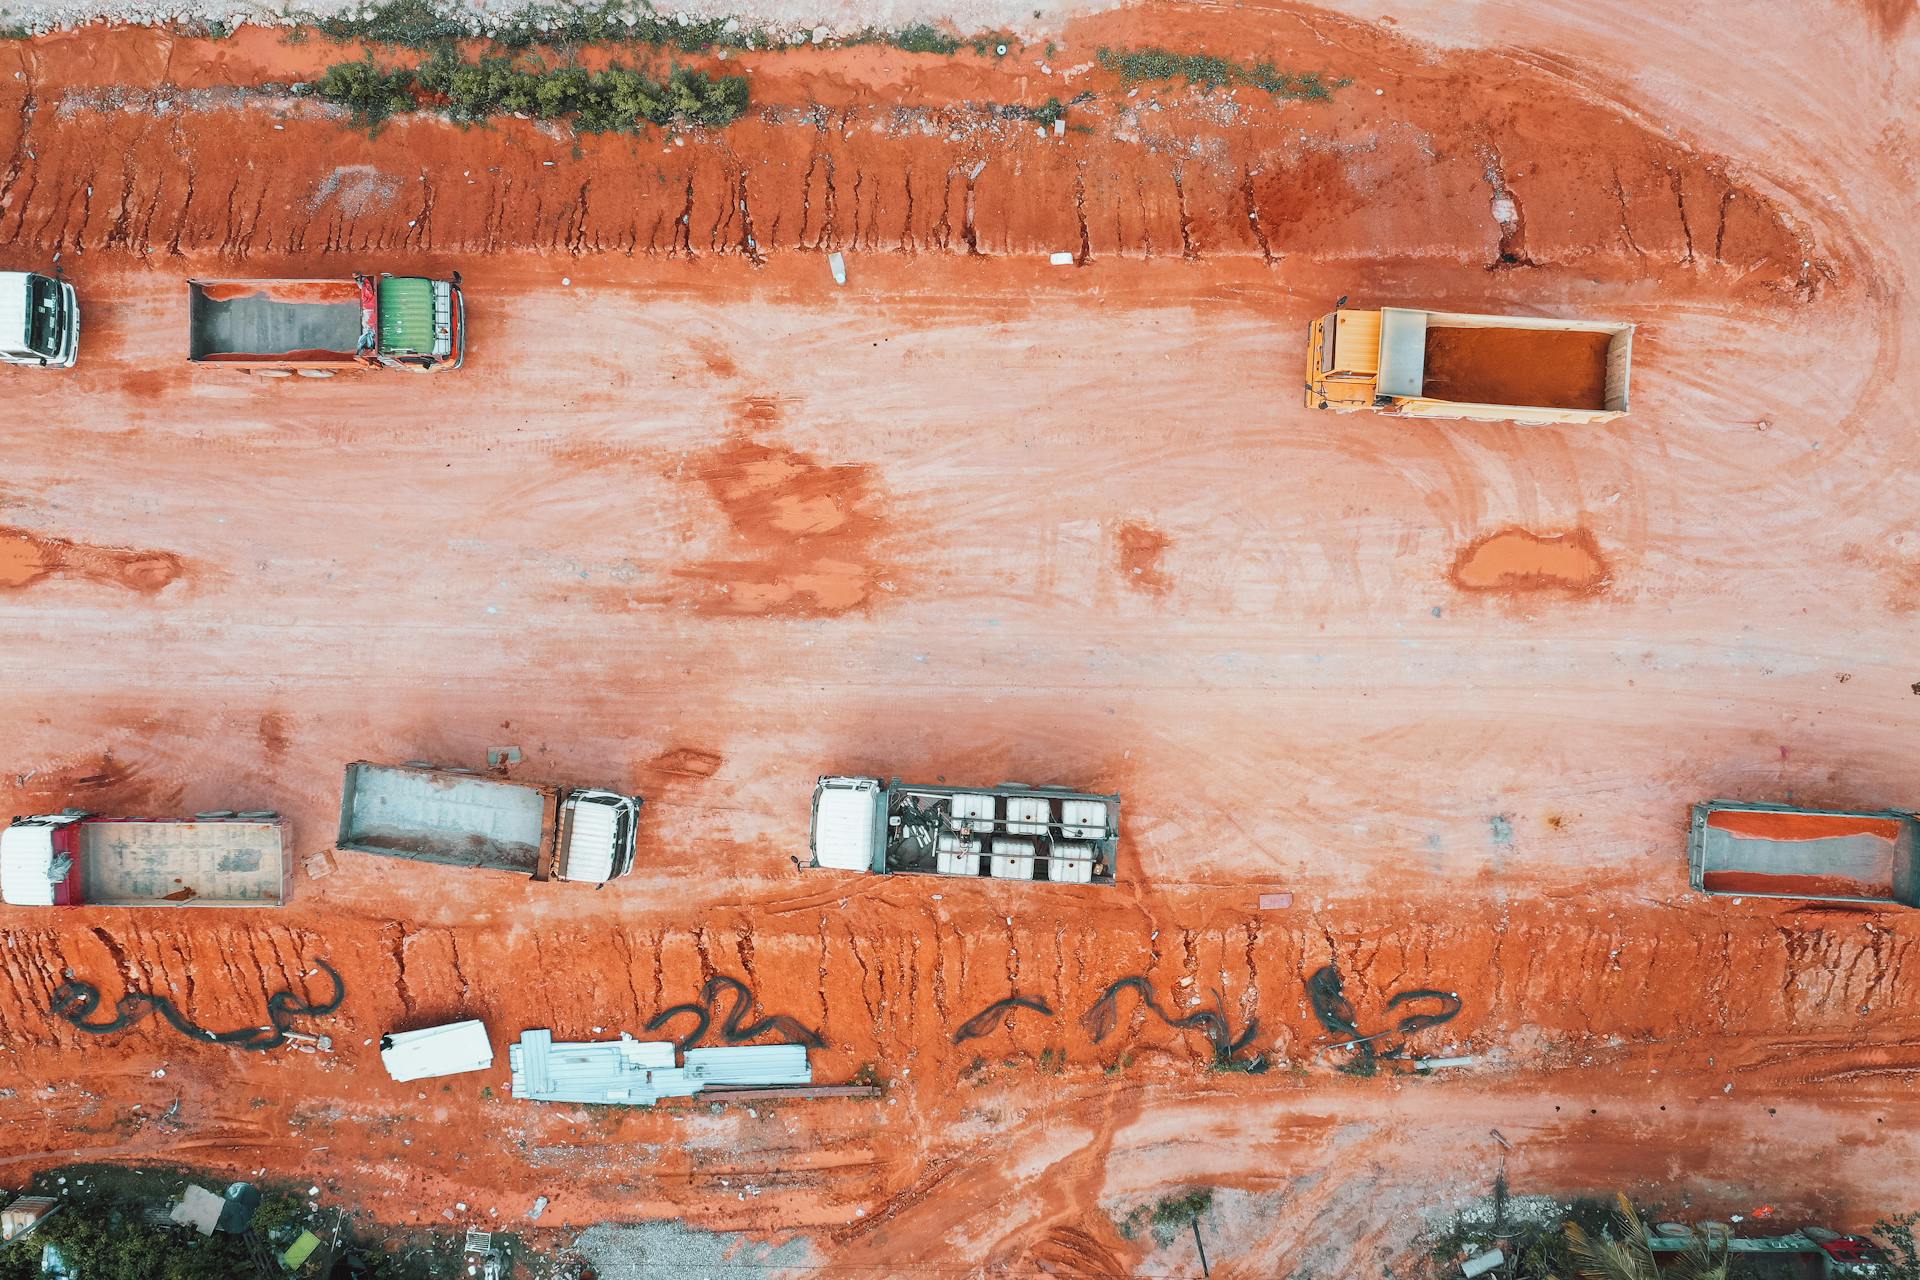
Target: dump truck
[(39, 320), (1454, 364), (1753, 850), (463, 818), (317, 328), (76, 858), (1008, 832)]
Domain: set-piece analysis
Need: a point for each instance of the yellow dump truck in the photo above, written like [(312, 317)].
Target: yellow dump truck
[(1453, 364)]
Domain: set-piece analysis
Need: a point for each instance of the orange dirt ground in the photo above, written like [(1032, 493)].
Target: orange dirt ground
[(697, 522)]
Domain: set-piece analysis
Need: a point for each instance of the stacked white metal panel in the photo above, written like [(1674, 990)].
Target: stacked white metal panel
[(765, 1064), (641, 1072)]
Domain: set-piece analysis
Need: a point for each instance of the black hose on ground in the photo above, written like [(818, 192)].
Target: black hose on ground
[(75, 1001)]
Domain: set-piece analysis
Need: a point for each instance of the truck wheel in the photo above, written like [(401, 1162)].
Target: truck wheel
[(214, 815), (316, 373), (259, 815), (268, 373)]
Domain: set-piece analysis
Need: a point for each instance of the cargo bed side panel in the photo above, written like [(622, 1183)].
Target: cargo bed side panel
[(1755, 850), (199, 864), (262, 321), (456, 819)]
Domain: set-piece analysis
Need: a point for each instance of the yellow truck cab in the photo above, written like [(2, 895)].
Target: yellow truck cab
[(1454, 364)]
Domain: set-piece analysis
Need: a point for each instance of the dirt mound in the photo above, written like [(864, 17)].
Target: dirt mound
[(871, 149)]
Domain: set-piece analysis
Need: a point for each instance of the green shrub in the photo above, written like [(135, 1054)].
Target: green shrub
[(1167, 1217), (562, 92), (1208, 73), (614, 100), (367, 91), (702, 99)]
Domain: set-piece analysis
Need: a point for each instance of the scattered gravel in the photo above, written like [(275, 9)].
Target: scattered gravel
[(650, 1250)]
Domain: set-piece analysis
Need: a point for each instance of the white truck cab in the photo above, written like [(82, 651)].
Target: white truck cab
[(39, 320)]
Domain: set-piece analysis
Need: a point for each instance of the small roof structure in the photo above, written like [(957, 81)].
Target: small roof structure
[(437, 1051), (641, 1072), (207, 1213), (199, 1208)]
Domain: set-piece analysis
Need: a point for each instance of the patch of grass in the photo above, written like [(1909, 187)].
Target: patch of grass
[(616, 23), (612, 101), (1167, 1217), (1119, 1064), (924, 37), (415, 23), (1043, 115), (867, 1074), (15, 31), (1254, 1066), (1053, 1061), (1207, 72), (426, 24), (995, 44)]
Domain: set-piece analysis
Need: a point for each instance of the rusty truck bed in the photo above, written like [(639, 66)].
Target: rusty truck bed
[(454, 818), (218, 863)]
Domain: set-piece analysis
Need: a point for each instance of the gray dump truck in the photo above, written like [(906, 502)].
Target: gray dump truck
[(1749, 850), (74, 859), (317, 328), (463, 818), (1008, 832)]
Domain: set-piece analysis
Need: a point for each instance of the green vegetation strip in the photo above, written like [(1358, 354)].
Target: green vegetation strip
[(1207, 72), (423, 24), (428, 24), (611, 101)]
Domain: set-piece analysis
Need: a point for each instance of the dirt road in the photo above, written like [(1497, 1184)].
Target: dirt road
[(696, 522)]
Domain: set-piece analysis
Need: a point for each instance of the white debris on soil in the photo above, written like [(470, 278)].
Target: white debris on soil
[(794, 21), (355, 190), (650, 1249)]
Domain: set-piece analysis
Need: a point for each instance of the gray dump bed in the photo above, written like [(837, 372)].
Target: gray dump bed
[(1831, 855), (255, 320), (219, 863), (447, 816)]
